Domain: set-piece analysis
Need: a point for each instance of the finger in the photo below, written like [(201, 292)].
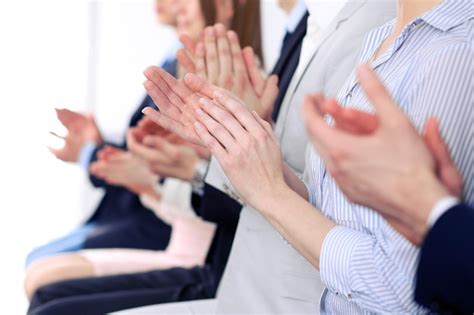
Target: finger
[(168, 85), (218, 131), (238, 65), (200, 85), (200, 61), (265, 125), (179, 94), (224, 118), (149, 153), (210, 142), (269, 96), (164, 147), (185, 61), (210, 45), (225, 60), (378, 95), (351, 120), (165, 122), (320, 132), (57, 135), (255, 73), (188, 43), (446, 169), (238, 109), (161, 100)]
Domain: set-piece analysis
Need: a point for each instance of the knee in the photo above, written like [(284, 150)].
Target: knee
[(37, 275)]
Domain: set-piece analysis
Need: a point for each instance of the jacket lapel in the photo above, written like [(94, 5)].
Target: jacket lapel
[(287, 51)]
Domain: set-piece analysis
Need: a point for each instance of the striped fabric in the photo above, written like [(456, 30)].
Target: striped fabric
[(365, 264)]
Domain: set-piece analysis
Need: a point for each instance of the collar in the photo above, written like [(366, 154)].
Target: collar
[(323, 12), (449, 14), (295, 16)]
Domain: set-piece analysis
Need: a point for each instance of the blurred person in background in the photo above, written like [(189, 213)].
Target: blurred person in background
[(168, 285), (120, 219)]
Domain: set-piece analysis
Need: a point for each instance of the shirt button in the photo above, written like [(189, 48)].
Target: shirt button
[(349, 296), (337, 292)]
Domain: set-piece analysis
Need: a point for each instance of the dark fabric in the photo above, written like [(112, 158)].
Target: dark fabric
[(288, 61), (97, 295), (121, 219), (141, 230), (108, 294), (445, 276)]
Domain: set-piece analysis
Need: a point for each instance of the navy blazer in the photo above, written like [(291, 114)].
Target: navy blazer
[(119, 201), (445, 277), (288, 61), (121, 219)]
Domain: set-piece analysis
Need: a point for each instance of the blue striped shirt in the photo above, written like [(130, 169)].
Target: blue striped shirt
[(365, 264)]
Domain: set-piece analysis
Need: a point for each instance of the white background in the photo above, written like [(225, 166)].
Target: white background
[(83, 55)]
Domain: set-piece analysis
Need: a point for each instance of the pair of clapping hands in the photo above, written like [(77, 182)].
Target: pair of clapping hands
[(377, 160), (152, 152)]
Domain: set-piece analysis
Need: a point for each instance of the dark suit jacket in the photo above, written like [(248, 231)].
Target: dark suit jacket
[(121, 219), (445, 277)]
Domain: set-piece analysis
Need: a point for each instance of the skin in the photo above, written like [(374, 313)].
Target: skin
[(287, 5), (219, 59), (82, 128), (390, 168)]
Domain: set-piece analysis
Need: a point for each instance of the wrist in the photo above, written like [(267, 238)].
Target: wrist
[(420, 199), (199, 174), (278, 195)]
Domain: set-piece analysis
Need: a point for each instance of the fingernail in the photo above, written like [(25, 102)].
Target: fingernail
[(203, 101), (199, 112), (197, 125)]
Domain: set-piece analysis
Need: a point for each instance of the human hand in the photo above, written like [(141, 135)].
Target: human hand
[(175, 101), (380, 161), (242, 142), (80, 130), (221, 61), (122, 168), (165, 157)]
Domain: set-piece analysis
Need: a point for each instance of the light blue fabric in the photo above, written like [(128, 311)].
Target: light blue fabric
[(86, 154), (74, 241), (365, 264)]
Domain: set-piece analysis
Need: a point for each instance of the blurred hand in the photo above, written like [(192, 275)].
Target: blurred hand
[(122, 168), (221, 61), (241, 141), (380, 161), (80, 130), (165, 157)]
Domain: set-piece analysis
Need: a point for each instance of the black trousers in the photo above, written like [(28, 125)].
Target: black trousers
[(113, 293)]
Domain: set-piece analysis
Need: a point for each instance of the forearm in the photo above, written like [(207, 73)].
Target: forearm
[(294, 182), (298, 222)]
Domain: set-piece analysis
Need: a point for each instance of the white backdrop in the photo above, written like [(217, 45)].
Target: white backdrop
[(79, 54)]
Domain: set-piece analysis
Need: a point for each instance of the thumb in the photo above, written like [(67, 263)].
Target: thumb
[(269, 95), (447, 172)]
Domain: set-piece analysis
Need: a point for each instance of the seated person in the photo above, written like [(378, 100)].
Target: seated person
[(365, 264), (120, 219), (190, 236), (422, 203), (160, 285)]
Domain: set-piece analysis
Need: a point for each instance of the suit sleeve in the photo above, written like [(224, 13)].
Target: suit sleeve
[(445, 275)]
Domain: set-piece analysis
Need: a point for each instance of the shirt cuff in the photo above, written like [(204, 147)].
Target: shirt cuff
[(440, 208), (85, 155), (336, 259)]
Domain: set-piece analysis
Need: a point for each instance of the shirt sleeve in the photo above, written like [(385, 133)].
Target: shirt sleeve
[(85, 155), (376, 269)]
